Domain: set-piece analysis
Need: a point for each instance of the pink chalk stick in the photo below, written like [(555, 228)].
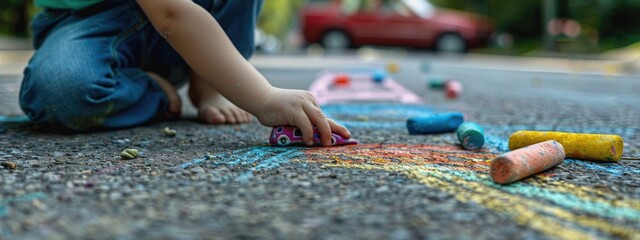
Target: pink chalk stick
[(527, 161), (453, 89)]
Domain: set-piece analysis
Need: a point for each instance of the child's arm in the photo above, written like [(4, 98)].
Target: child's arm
[(202, 43)]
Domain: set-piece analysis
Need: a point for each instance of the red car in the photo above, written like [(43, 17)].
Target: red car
[(410, 23)]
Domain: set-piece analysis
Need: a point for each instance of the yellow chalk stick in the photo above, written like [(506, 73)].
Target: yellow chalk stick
[(594, 147), (393, 67)]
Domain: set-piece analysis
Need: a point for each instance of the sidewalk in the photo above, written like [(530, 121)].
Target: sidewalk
[(13, 62), (14, 43), (15, 53), (611, 65)]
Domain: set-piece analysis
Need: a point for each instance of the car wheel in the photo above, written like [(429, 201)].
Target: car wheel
[(333, 141), (283, 140), (336, 39), (451, 42)]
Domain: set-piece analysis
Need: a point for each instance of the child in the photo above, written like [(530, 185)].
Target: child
[(109, 64)]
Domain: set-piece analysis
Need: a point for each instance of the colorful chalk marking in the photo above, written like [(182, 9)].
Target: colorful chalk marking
[(524, 162), (4, 203), (341, 80), (360, 89), (594, 147), (379, 76), (555, 208), (435, 123), (470, 135)]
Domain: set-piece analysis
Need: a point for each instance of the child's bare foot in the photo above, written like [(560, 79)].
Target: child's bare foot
[(170, 91), (213, 108)]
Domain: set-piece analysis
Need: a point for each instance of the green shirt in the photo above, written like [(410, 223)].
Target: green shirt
[(66, 4)]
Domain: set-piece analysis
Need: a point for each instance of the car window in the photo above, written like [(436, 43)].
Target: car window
[(422, 8), (399, 7), (352, 6), (297, 132)]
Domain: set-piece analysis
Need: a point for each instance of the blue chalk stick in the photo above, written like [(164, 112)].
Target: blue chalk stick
[(470, 135), (379, 75), (435, 123)]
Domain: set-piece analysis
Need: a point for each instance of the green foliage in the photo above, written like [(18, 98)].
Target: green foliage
[(276, 16), (521, 18), (615, 23), (15, 16)]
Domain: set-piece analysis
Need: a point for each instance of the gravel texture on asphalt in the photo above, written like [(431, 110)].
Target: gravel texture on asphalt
[(224, 182)]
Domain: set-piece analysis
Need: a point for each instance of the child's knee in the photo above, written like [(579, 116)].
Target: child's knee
[(72, 98)]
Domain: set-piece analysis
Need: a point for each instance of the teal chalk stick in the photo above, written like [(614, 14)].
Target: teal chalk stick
[(470, 135), (435, 123), (437, 82)]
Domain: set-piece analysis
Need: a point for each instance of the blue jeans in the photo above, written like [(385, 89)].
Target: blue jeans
[(89, 69)]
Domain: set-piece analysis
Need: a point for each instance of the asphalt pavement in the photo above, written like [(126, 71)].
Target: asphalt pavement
[(224, 182)]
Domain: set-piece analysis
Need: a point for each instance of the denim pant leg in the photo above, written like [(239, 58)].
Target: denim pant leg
[(238, 18), (85, 73), (88, 75)]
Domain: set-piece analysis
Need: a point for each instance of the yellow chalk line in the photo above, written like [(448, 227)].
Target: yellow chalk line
[(584, 192), (581, 192), (519, 208)]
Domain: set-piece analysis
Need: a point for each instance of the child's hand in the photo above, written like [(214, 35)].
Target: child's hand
[(298, 108)]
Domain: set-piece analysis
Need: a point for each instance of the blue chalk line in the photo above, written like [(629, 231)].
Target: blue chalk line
[(399, 111), (14, 119), (259, 157), (564, 199), (4, 209)]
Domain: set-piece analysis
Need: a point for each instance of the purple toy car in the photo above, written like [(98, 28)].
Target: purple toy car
[(288, 135)]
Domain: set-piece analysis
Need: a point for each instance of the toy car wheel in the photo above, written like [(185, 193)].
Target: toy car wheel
[(283, 140), (333, 140), (451, 42), (336, 39)]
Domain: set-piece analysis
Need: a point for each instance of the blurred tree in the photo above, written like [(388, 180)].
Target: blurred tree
[(277, 15), (15, 16), (614, 22), (521, 18)]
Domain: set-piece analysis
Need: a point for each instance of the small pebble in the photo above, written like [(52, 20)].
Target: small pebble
[(129, 153), (51, 177), (9, 165), (363, 118), (198, 170), (169, 132)]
